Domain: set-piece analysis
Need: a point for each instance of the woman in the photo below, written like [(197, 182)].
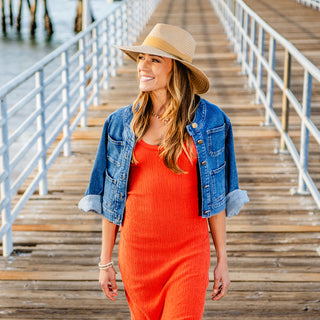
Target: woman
[(164, 167)]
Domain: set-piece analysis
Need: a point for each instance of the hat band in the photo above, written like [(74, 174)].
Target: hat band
[(167, 47)]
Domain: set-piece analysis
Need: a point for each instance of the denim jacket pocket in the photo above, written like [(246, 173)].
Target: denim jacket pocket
[(218, 182), (216, 145), (109, 189), (114, 151)]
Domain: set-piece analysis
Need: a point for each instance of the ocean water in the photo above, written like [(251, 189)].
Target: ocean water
[(19, 52)]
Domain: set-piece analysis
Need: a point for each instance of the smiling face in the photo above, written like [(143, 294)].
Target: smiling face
[(154, 73)]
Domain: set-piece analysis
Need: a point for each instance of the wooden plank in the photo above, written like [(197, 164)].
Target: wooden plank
[(230, 228), (272, 228), (89, 275)]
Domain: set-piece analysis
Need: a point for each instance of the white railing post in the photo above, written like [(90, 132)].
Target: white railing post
[(66, 100), (232, 20), (124, 20), (112, 41), (140, 15), (5, 181), (105, 52), (304, 138), (119, 32), (245, 44), (259, 64), (225, 14), (230, 15), (129, 22), (41, 126), (133, 21), (236, 18), (238, 31), (83, 81), (240, 54), (285, 100), (252, 62), (95, 66), (270, 81)]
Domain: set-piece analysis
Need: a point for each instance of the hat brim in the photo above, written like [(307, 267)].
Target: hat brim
[(200, 80)]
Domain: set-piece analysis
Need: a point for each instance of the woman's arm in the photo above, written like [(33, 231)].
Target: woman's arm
[(217, 225), (107, 278)]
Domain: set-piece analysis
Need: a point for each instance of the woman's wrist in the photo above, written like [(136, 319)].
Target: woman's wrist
[(222, 257), (105, 266), (105, 259)]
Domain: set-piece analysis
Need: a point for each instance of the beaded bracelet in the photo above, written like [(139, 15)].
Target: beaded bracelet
[(105, 266)]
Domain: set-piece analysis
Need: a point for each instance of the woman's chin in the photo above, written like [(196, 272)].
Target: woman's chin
[(144, 89)]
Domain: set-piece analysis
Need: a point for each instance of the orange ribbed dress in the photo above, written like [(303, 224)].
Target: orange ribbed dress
[(164, 253)]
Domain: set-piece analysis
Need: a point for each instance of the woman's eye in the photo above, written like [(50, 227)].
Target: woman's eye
[(155, 60)]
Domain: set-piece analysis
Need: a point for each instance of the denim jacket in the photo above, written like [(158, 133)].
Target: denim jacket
[(211, 132)]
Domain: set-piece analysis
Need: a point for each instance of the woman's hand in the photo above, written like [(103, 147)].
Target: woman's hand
[(107, 281), (221, 280), (217, 225), (107, 278)]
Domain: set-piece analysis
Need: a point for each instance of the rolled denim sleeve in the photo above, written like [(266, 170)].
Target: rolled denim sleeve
[(92, 200), (235, 198)]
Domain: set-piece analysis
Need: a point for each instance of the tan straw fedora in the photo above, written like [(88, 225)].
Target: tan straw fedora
[(172, 42)]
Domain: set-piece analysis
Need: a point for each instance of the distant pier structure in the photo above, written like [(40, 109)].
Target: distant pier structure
[(12, 19), (33, 6)]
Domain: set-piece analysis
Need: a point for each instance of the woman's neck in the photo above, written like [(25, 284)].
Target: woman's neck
[(159, 103)]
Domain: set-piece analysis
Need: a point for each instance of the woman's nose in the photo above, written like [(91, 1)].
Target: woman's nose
[(143, 65)]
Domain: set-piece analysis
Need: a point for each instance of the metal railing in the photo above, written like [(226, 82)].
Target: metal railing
[(42, 107), (310, 3), (267, 59)]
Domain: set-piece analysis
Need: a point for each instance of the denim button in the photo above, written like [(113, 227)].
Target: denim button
[(194, 125), (206, 186), (203, 163), (207, 212), (200, 141)]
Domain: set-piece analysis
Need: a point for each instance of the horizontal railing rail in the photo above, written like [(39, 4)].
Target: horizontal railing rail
[(310, 3), (42, 107), (275, 68)]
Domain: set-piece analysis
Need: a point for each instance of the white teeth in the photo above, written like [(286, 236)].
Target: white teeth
[(145, 78)]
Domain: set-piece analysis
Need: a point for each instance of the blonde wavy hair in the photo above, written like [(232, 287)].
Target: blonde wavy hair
[(180, 112)]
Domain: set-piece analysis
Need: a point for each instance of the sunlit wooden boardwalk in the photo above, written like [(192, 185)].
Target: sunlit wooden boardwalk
[(273, 245), (297, 23)]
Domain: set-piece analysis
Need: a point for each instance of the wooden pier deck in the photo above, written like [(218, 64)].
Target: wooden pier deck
[(295, 22), (273, 245)]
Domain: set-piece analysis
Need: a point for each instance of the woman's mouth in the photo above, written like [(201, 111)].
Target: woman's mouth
[(146, 78)]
